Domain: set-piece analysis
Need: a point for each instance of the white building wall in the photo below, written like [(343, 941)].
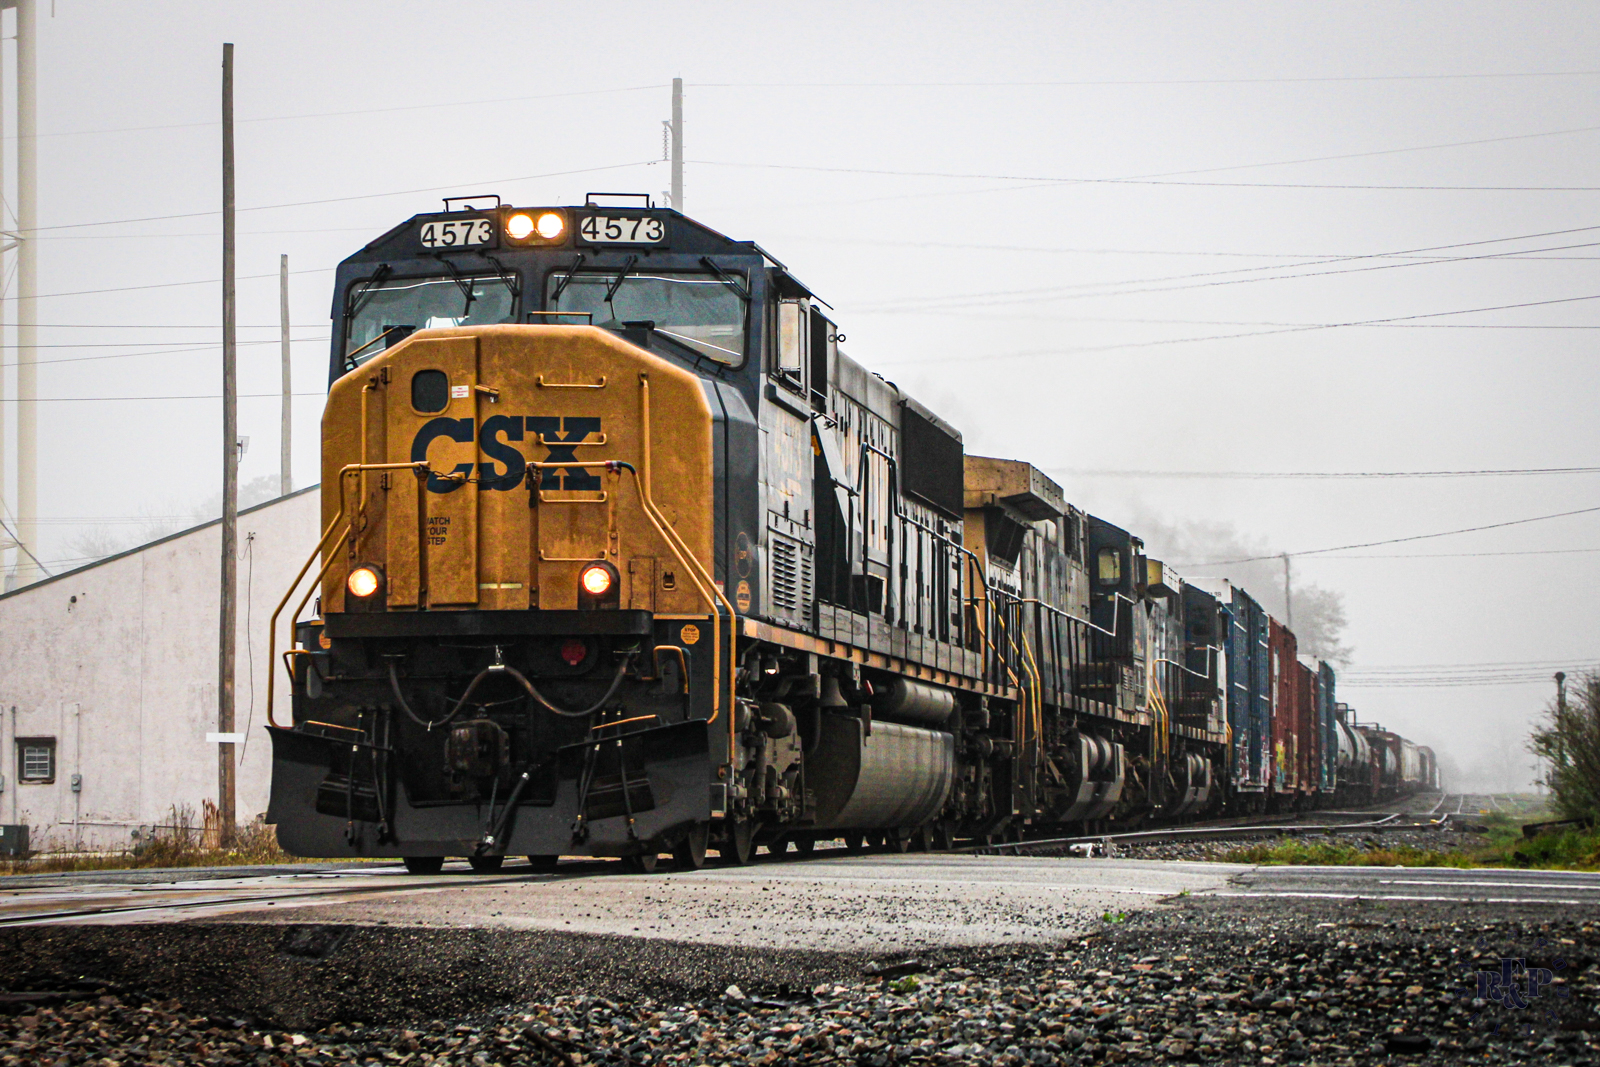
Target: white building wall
[(117, 661)]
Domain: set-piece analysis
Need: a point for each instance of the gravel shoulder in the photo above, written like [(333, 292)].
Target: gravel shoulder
[(1197, 980)]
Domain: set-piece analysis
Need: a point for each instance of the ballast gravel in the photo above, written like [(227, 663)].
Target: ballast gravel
[(1210, 982)]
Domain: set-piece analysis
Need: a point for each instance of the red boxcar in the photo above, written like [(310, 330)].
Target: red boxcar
[(1285, 709), (1308, 746)]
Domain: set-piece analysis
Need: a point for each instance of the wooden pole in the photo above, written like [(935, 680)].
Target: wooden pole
[(230, 473), (285, 480)]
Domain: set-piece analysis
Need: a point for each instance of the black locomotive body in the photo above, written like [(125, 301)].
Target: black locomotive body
[(625, 555)]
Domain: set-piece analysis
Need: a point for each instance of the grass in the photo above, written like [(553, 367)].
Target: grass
[(177, 845), (1503, 846)]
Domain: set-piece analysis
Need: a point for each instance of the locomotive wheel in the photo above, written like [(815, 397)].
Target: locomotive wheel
[(738, 843), (690, 853), (544, 864), (896, 841), (485, 864), (641, 864), (854, 842), (424, 864), (943, 839)]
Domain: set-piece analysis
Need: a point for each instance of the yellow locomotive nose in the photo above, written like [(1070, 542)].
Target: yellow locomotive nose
[(505, 468)]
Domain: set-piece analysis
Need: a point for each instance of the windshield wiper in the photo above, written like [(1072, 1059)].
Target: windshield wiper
[(566, 279), (368, 290), (462, 283), (727, 279), (611, 290)]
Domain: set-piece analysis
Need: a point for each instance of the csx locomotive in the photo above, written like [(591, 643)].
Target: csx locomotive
[(624, 556)]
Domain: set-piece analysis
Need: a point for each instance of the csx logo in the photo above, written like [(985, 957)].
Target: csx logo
[(507, 465)]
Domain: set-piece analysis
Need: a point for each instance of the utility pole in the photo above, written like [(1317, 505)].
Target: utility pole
[(10, 243), (230, 473), (677, 144), (284, 481), (1288, 596), (27, 291)]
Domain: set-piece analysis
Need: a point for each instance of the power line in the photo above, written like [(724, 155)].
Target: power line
[(1546, 664), (1090, 290), (341, 114), (1159, 178), (1087, 349), (1479, 473), (1314, 257), (163, 326), (1469, 555), (1012, 316), (157, 352), (173, 285), (197, 396), (1395, 540), (1141, 81), (346, 199)]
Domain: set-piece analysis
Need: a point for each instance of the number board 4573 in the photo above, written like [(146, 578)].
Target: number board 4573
[(622, 230)]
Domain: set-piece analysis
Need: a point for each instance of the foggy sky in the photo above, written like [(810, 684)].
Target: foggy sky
[(995, 273)]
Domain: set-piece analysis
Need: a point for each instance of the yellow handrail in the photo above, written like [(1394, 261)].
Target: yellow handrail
[(272, 624)]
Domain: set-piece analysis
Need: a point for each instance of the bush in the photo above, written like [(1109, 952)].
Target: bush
[(1569, 743)]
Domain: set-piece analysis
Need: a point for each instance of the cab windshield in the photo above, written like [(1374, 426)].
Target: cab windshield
[(385, 312), (700, 311)]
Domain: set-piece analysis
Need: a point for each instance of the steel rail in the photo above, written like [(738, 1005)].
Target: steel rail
[(214, 899), (1200, 833)]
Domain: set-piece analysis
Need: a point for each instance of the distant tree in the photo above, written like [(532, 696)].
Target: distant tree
[(1569, 743), (1318, 623), (95, 542), (1206, 548)]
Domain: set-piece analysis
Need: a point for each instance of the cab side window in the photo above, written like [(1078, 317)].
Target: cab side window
[(1109, 566)]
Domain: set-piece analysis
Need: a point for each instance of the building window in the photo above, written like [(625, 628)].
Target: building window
[(36, 759)]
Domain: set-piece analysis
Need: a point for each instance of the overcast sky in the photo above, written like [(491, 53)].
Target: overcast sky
[(1096, 236)]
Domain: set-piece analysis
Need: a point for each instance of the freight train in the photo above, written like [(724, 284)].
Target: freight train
[(623, 555)]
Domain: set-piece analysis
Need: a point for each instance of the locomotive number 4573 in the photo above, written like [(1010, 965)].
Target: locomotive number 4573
[(465, 233), (599, 229)]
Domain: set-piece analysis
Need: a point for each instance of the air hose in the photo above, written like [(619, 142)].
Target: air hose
[(522, 680)]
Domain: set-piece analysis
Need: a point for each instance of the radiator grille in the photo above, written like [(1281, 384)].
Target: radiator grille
[(789, 585)]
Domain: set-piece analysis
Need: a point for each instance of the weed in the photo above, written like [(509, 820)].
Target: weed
[(1503, 847), (178, 843), (908, 984)]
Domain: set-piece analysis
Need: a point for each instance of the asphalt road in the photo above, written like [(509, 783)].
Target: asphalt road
[(883, 903), (1480, 886)]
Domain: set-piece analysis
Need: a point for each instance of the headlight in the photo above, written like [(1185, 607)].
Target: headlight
[(519, 226), (363, 582), (596, 579), (550, 225)]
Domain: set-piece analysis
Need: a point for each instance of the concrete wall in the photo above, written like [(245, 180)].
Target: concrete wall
[(118, 662)]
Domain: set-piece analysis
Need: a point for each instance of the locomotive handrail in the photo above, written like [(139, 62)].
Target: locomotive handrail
[(696, 571), (272, 624)]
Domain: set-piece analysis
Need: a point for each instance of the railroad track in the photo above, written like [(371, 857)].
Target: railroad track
[(122, 901), (95, 901), (1195, 833)]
